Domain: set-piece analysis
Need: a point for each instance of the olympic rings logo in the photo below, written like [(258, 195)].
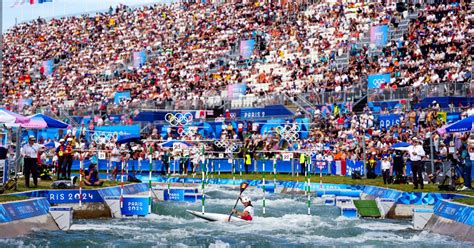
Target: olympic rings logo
[(378, 82), (187, 131), (99, 136), (288, 132), (178, 119), (229, 147)]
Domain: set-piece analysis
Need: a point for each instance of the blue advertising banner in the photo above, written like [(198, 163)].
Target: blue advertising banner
[(174, 195), (107, 132), (453, 117), (48, 67), (72, 196), (386, 121), (23, 209), (139, 59), (379, 35), (246, 48), (121, 96), (135, 205), (375, 81), (457, 212), (65, 196), (236, 90), (267, 111)]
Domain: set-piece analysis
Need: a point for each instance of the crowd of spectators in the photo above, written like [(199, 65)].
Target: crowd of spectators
[(192, 56), (192, 52)]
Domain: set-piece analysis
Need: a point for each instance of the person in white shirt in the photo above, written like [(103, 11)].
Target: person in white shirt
[(30, 152), (115, 160), (386, 166), (328, 158), (416, 153), (248, 210)]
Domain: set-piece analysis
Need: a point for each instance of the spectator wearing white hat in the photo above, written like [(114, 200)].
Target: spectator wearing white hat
[(30, 153), (416, 153)]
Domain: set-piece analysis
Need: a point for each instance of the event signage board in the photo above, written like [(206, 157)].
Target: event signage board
[(387, 121), (135, 205), (258, 113), (236, 90), (379, 35), (139, 59), (72, 196), (65, 196), (23, 209), (457, 212), (288, 156), (174, 195), (246, 48), (375, 81), (121, 96)]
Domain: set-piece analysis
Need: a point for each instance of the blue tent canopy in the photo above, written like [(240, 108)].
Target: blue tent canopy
[(172, 142), (464, 125), (123, 139), (400, 144)]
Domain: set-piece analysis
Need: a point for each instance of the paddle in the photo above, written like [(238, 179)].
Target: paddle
[(243, 186)]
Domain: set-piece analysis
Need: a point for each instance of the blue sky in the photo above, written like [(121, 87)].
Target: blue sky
[(57, 8)]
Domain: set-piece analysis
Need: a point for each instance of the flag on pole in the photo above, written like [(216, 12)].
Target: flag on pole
[(17, 3), (32, 2)]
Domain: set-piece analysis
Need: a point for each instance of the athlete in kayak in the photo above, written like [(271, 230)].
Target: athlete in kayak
[(248, 210)]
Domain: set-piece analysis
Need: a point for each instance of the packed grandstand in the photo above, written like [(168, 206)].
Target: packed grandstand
[(355, 77)]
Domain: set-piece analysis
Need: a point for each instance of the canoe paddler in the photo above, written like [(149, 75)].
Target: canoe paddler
[(248, 209)]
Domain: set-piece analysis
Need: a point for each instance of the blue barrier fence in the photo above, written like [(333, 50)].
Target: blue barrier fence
[(12, 211), (455, 211), (226, 167)]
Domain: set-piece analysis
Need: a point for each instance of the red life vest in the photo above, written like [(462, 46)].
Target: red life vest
[(248, 218)]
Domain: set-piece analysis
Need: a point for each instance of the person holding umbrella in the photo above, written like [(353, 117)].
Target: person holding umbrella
[(30, 152)]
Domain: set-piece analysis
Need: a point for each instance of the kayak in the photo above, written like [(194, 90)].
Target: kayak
[(215, 216)]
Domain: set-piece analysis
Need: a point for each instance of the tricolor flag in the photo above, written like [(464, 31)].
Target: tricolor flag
[(40, 1), (339, 167)]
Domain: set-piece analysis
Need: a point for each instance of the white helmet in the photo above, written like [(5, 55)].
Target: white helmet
[(245, 199)]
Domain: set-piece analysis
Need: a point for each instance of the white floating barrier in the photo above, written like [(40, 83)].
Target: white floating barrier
[(329, 200), (343, 201), (421, 217), (349, 212), (384, 205), (62, 216)]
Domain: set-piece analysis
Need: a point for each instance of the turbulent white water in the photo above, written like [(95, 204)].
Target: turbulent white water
[(285, 225)]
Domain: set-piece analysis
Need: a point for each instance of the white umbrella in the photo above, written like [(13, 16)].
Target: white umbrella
[(6, 118)]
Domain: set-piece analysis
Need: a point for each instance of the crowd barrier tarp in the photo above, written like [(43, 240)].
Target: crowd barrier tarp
[(13, 211), (454, 211)]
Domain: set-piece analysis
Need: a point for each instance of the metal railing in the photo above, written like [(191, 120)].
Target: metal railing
[(349, 95), (430, 90)]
